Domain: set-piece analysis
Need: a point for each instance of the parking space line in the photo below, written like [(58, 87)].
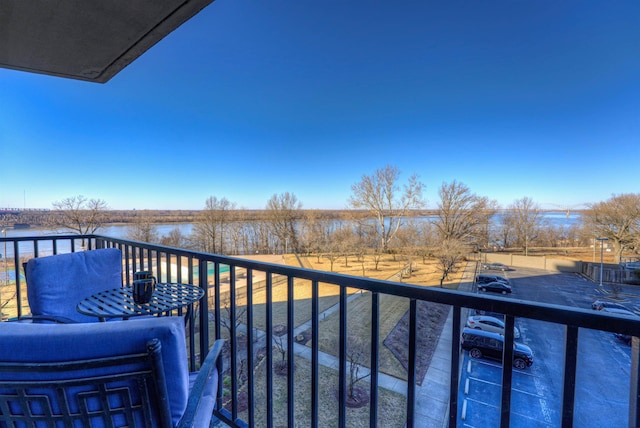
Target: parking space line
[(483, 403), (529, 418), (484, 381)]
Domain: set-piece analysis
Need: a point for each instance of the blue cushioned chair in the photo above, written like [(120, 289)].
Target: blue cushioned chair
[(55, 284), (122, 373)]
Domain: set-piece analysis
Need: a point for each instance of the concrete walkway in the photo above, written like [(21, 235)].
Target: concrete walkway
[(432, 398)]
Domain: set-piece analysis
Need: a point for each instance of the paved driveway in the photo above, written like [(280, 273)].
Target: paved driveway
[(602, 392)]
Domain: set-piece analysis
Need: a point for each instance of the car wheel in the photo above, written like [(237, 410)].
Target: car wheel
[(475, 353), (504, 291), (519, 363)]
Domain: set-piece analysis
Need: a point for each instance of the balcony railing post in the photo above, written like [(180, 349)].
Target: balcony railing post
[(204, 316), (291, 362), (507, 371), (315, 377), (16, 261), (634, 395), (411, 363), (342, 364), (250, 339), (569, 381), (232, 314), (269, 343), (456, 355), (375, 351)]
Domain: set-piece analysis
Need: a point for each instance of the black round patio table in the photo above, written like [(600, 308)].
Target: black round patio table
[(119, 303)]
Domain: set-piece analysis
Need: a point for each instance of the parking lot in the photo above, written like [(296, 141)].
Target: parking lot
[(602, 391)]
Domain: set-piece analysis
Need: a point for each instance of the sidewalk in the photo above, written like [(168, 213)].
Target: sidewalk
[(432, 398)]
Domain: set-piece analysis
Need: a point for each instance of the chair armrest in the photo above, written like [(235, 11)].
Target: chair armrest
[(199, 385), (53, 319)]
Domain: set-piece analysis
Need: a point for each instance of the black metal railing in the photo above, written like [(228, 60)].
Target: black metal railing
[(240, 294)]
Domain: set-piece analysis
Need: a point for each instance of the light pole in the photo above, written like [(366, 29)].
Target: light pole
[(601, 250)]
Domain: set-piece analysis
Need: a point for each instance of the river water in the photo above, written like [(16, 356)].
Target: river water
[(555, 219)]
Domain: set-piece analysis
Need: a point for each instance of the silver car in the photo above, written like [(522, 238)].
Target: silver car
[(487, 323), (496, 266)]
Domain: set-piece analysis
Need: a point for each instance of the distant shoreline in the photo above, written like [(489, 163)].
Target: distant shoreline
[(38, 218)]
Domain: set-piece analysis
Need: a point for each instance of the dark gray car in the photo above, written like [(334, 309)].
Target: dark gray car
[(485, 344), (496, 287), (484, 278)]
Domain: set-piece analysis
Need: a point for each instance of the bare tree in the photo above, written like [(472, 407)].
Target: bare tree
[(240, 315), (240, 232), (209, 230), (315, 232), (426, 237), (79, 214), (462, 215), (381, 196), (356, 355), (526, 219), (175, 238), (283, 211), (260, 236), (408, 242), (505, 231), (143, 229), (618, 220), (346, 242), (281, 347), (333, 248), (449, 255)]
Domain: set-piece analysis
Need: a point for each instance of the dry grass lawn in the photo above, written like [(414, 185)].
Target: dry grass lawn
[(392, 308), (391, 406)]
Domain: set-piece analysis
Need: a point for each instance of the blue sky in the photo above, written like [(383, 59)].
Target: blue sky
[(537, 99)]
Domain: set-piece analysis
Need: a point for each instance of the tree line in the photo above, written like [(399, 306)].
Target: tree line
[(381, 217)]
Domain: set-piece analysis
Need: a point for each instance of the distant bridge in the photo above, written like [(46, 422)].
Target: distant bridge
[(18, 211)]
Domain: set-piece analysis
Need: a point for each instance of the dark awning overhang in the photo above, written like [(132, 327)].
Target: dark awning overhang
[(85, 39)]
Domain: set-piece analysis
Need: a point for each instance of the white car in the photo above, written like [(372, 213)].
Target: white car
[(487, 323)]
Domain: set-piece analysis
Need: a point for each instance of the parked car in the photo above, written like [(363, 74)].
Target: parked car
[(623, 338), (495, 266), (486, 344), (487, 323), (598, 305), (484, 278), (488, 313), (620, 311), (496, 287)]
